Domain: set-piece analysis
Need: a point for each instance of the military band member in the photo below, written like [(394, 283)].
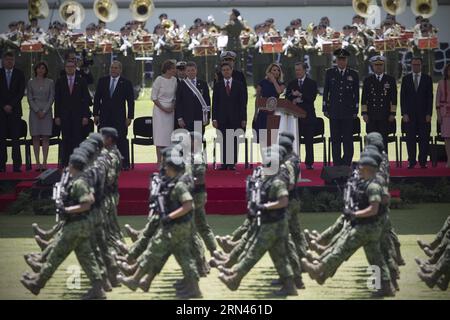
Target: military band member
[(379, 99), (260, 59), (319, 61), (233, 29), (292, 53), (340, 105)]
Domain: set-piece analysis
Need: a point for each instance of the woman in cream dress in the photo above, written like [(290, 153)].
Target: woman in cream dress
[(163, 95)]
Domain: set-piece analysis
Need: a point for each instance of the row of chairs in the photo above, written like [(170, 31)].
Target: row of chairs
[(143, 135)]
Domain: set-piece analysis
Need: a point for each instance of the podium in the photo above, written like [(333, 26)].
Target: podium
[(270, 105)]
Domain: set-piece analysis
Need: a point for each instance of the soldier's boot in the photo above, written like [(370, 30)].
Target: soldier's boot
[(191, 290), (430, 279), (288, 288), (310, 256), (44, 235), (215, 263), (276, 282), (299, 282), (122, 246), (309, 236), (227, 245), (442, 283), (180, 284), (96, 292), (132, 282), (34, 265), (146, 281), (420, 262), (231, 281), (132, 233), (317, 247), (112, 276), (426, 268), (127, 269), (106, 284), (398, 254), (428, 252), (314, 270), (422, 244), (226, 271), (41, 243), (32, 256), (395, 283), (220, 255), (386, 290), (33, 283)]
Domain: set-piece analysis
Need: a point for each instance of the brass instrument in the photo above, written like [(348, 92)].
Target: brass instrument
[(37, 9), (141, 10), (361, 7), (424, 8), (106, 10), (167, 24), (72, 13), (394, 7)]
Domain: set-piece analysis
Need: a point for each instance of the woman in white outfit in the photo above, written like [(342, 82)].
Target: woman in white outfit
[(163, 95)]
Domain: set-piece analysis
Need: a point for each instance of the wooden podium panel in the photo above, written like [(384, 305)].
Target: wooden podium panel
[(272, 104), (272, 47)]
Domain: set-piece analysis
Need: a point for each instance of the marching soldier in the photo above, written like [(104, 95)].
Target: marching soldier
[(340, 106), (74, 236), (379, 99)]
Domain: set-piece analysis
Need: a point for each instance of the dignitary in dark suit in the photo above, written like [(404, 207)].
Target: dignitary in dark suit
[(229, 111), (379, 99), (416, 102), (193, 102), (12, 90), (114, 93), (340, 105), (230, 58), (71, 109), (303, 92)]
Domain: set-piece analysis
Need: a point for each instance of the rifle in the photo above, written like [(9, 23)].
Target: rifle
[(60, 194), (156, 201), (253, 185), (349, 193)]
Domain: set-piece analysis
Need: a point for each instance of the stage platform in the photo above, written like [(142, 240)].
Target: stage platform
[(226, 189)]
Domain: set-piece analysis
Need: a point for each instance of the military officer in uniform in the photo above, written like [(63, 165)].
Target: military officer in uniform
[(379, 99), (233, 29), (340, 105)]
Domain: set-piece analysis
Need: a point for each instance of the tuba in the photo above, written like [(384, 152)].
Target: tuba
[(37, 9), (72, 13), (424, 8), (362, 7), (141, 10), (394, 7), (167, 24), (105, 10)]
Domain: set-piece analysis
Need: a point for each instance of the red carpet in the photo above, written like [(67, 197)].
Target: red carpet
[(226, 189)]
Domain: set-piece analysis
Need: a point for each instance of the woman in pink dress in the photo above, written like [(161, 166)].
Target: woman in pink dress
[(443, 109)]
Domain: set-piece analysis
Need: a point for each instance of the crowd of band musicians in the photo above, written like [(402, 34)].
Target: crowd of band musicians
[(67, 101)]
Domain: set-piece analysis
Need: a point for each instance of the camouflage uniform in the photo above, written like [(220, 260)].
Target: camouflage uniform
[(365, 232), (74, 236), (272, 235), (173, 238)]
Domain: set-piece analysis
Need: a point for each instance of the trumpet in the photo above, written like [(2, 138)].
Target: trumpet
[(106, 10)]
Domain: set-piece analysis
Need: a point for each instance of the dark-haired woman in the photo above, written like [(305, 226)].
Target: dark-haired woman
[(40, 96)]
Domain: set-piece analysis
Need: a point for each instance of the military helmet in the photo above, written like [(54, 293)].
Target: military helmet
[(376, 139), (286, 143), (368, 161), (288, 135), (372, 154), (90, 148), (109, 132), (78, 161), (97, 137)]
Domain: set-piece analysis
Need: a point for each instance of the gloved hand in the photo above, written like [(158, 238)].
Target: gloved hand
[(260, 207), (166, 220)]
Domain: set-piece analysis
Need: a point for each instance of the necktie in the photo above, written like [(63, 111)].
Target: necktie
[(228, 88), (300, 83), (111, 89), (193, 82), (342, 73), (8, 78), (416, 81), (379, 78), (71, 85)]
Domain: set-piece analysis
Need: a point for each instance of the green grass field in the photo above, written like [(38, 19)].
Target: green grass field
[(144, 107), (422, 221)]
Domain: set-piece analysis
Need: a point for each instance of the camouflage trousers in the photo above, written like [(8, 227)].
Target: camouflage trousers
[(388, 248), (439, 251), (112, 228), (201, 224), (74, 236), (443, 264), (297, 234), (359, 235), (270, 237), (327, 236), (441, 234), (173, 239), (144, 239), (241, 230)]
